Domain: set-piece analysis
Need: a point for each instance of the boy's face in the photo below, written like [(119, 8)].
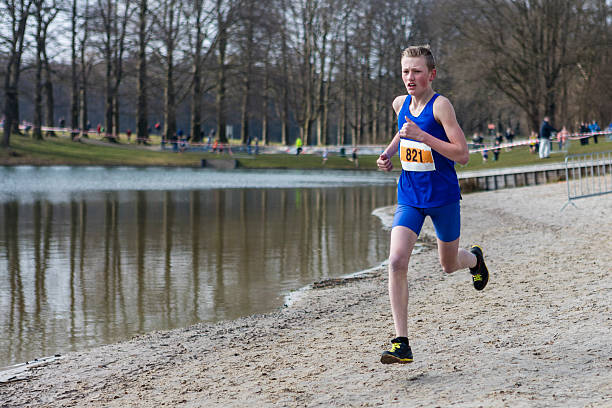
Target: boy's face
[(415, 74)]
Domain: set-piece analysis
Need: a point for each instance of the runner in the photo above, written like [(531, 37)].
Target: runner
[(430, 141)]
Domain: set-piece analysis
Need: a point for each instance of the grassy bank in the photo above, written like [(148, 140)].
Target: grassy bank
[(62, 151)]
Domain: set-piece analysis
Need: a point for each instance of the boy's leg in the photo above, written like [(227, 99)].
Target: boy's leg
[(447, 222), (402, 244), (453, 258)]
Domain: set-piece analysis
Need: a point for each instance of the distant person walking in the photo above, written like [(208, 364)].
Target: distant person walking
[(584, 140), (509, 137), (298, 146), (497, 149), (544, 138), (594, 128), (562, 137)]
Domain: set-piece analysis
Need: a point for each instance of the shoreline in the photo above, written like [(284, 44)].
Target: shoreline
[(537, 335)]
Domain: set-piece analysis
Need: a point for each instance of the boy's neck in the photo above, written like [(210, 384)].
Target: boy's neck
[(422, 99)]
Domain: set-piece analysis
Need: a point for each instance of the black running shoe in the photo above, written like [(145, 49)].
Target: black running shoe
[(400, 352), (480, 273)]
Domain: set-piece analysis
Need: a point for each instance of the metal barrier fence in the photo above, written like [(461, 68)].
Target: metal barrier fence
[(588, 175)]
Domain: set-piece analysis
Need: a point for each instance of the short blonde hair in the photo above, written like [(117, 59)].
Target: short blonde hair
[(421, 51)]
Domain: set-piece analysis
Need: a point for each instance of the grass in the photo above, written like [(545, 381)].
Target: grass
[(521, 156), (59, 150), (62, 151)]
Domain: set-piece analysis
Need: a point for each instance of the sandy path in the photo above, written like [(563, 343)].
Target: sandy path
[(538, 335)]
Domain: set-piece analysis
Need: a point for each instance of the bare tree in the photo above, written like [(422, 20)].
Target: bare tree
[(167, 23), (45, 12), (74, 101), (142, 119), (85, 67), (282, 82), (113, 27), (225, 16), (17, 13), (199, 19), (305, 85), (521, 47), (247, 51)]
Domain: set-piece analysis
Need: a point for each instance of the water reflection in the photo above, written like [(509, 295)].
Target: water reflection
[(104, 266)]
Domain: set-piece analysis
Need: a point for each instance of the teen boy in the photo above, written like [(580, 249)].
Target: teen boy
[(430, 141)]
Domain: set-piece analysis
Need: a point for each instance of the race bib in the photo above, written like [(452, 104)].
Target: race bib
[(416, 156)]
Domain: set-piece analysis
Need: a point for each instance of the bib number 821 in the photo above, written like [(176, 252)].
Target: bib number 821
[(414, 155)]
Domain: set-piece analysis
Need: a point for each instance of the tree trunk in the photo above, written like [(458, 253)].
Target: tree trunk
[(169, 98), (342, 129), (74, 104), (116, 129), (49, 99), (220, 99), (108, 107), (244, 112), (11, 78), (37, 134), (141, 108), (83, 109), (196, 93), (284, 112), (266, 103), (83, 74)]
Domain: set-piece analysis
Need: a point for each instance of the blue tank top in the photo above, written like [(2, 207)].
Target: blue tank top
[(432, 184)]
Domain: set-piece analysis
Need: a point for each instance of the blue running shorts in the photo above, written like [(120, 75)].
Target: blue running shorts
[(446, 219)]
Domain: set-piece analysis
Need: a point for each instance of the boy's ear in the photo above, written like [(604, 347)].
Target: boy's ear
[(432, 75)]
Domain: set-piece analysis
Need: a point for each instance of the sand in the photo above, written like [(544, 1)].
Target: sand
[(539, 335)]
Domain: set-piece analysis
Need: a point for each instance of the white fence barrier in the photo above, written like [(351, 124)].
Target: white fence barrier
[(588, 175)]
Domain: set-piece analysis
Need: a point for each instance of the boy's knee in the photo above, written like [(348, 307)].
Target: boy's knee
[(448, 267), (398, 264)]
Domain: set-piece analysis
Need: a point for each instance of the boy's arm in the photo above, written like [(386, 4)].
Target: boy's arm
[(384, 160), (391, 149), (456, 148)]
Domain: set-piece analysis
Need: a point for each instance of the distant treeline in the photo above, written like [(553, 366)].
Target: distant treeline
[(325, 70)]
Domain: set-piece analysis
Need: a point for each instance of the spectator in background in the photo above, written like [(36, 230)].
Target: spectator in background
[(478, 141), (544, 138), (298, 145), (533, 142), (248, 145), (584, 140), (562, 137), (498, 141), (594, 128), (509, 137), (129, 134)]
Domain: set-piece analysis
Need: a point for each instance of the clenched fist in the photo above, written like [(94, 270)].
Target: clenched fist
[(411, 130), (384, 162)]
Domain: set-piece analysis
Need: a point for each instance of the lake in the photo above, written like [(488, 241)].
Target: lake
[(94, 255)]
